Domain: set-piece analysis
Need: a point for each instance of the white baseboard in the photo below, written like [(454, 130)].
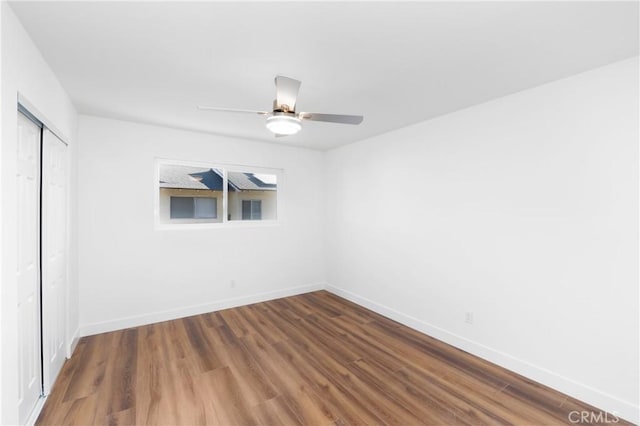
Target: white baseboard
[(73, 343), (606, 402), (31, 421), (134, 321)]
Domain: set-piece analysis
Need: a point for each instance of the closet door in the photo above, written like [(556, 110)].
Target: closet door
[(28, 271), (54, 255)]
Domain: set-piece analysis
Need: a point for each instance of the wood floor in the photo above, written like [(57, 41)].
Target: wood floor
[(314, 359)]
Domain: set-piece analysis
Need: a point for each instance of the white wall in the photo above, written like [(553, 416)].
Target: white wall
[(131, 273), (2, 400), (522, 211), (23, 70)]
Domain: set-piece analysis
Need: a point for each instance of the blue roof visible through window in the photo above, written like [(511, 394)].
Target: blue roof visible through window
[(187, 177)]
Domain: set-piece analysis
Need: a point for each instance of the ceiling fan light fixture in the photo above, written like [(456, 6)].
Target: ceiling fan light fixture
[(284, 124)]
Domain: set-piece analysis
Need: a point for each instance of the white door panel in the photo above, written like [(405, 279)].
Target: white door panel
[(28, 273), (54, 255)]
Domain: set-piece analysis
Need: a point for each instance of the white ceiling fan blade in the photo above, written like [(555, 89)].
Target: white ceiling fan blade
[(250, 111), (286, 92), (331, 118)]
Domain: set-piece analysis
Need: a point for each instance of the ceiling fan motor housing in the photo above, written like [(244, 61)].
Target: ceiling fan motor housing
[(282, 107)]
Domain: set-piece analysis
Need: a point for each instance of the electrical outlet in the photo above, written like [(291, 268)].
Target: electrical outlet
[(468, 317)]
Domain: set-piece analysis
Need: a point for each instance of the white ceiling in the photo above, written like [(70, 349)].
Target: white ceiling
[(395, 63)]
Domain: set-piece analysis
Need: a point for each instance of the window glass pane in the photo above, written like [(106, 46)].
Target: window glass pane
[(246, 209), (252, 196), (256, 209), (190, 194), (181, 207), (205, 207)]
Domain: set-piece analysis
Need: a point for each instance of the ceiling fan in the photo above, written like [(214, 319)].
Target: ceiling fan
[(284, 120)]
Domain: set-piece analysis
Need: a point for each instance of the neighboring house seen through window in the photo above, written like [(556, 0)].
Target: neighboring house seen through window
[(195, 193)]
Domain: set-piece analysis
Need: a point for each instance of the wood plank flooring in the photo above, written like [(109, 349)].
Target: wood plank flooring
[(313, 359)]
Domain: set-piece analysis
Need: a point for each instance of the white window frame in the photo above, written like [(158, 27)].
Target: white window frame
[(226, 223)]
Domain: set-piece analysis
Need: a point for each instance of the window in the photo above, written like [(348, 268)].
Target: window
[(193, 208), (251, 210), (252, 196), (197, 193)]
